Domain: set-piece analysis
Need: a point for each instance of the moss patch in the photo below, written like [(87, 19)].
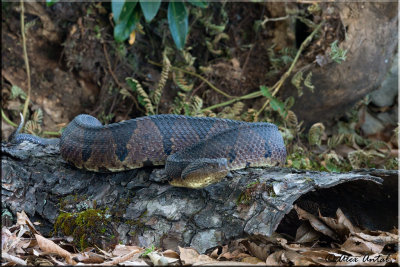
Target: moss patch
[(88, 228)]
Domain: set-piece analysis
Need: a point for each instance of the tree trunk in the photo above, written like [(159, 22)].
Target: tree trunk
[(371, 38), (147, 211)]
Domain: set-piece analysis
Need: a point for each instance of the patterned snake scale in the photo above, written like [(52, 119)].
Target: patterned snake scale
[(196, 151)]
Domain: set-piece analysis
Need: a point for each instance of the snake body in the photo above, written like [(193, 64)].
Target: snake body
[(196, 151)]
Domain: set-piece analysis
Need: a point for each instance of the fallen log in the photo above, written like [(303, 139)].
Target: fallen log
[(141, 208)]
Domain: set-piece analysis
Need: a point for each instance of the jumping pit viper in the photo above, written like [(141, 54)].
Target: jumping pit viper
[(196, 151)]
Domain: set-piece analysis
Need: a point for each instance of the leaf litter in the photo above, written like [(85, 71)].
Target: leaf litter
[(22, 244)]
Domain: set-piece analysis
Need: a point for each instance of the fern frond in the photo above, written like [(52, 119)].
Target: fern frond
[(189, 58), (180, 81), (237, 108), (163, 79), (32, 127), (145, 98), (125, 93), (226, 113), (178, 104), (308, 83), (209, 113), (335, 140), (196, 104), (37, 116), (291, 120), (251, 115), (296, 81), (315, 134), (358, 158)]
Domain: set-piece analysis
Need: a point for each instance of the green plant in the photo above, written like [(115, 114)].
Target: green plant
[(148, 251), (51, 2), (274, 102), (337, 54), (127, 17)]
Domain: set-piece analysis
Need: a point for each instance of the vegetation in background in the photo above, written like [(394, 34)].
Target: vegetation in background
[(127, 17), (312, 149)]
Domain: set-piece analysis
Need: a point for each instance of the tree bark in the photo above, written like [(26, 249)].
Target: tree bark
[(371, 38), (148, 211)]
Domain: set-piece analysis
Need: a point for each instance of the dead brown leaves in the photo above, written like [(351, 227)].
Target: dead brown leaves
[(22, 244)]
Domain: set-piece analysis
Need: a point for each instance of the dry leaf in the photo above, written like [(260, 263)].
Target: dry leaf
[(275, 258), (160, 260), (260, 251), (7, 239), (13, 259), (188, 255), (342, 219), (134, 263), (333, 223), (51, 247), (214, 254), (120, 259), (22, 219), (315, 223), (56, 261), (379, 237), (88, 257), (357, 244), (297, 259), (120, 250), (251, 260), (171, 254), (306, 234), (223, 263)]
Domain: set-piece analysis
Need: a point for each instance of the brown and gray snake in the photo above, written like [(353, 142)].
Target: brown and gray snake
[(196, 151)]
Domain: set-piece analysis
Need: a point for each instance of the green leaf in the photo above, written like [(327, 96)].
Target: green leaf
[(332, 167), (50, 2), (265, 91), (278, 106), (16, 91), (150, 9), (131, 84), (199, 3), (116, 8), (273, 102), (129, 17), (178, 20), (289, 102)]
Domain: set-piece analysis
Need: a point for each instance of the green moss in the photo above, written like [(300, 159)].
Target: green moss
[(88, 227)]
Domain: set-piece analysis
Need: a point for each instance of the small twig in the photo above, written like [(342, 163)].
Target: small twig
[(116, 79), (109, 67), (120, 258), (273, 19), (51, 133), (276, 86), (195, 75), (6, 119), (283, 78), (13, 259), (28, 71), (223, 104), (197, 88)]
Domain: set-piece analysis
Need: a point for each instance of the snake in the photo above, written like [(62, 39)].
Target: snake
[(196, 151)]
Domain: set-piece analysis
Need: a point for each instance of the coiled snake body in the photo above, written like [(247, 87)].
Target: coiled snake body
[(196, 151)]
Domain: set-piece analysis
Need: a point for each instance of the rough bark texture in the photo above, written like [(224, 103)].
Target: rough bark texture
[(371, 37), (248, 202)]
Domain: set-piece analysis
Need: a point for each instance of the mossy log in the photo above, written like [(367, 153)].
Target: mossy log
[(139, 207)]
